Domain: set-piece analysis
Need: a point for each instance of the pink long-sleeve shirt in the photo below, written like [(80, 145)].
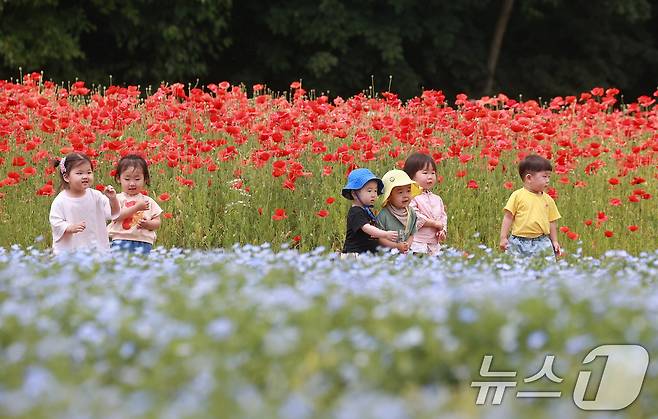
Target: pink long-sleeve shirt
[(428, 206)]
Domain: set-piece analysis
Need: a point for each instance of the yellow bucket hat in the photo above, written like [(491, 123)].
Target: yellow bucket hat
[(397, 177)]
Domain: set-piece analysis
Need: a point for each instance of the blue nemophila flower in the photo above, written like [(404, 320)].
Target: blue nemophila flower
[(220, 329), (269, 332)]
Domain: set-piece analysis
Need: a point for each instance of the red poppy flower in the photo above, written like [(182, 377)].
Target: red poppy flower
[(322, 213), (279, 214), (564, 229), (608, 233), (279, 168), (465, 158), (573, 235), (597, 91), (100, 187), (601, 216), (508, 185), (633, 228), (613, 181), (330, 200), (297, 238), (164, 197), (168, 215), (588, 222), (289, 184), (637, 181), (580, 184), (615, 202), (185, 182), (472, 184), (46, 190)]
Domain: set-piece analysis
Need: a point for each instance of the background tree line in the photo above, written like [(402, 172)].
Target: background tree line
[(530, 47)]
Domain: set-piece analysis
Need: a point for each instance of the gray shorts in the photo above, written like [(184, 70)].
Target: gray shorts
[(523, 246)]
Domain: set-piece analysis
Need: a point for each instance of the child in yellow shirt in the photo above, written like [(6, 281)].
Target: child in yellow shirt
[(531, 213)]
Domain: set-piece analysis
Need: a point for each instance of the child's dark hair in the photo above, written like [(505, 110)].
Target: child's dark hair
[(68, 163), (533, 164), (416, 162), (135, 161)]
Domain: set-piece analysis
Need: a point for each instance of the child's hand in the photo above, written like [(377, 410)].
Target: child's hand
[(143, 223), (109, 191), (391, 235), (557, 249), (142, 205), (76, 228), (403, 247), (504, 244)]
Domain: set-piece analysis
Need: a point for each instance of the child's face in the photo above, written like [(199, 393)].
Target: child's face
[(400, 196), (368, 194), (79, 178), (425, 177), (537, 182), (132, 180)]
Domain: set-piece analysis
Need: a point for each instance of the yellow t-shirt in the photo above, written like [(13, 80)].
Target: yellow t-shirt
[(532, 213)]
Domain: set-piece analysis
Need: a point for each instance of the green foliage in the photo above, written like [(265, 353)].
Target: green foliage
[(156, 41), (550, 47), (38, 34), (135, 41)]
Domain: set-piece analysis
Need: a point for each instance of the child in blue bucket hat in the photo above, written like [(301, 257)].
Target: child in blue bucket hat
[(362, 234)]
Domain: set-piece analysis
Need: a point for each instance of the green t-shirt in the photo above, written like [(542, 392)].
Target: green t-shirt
[(388, 222)]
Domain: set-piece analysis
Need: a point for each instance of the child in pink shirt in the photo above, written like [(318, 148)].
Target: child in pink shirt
[(432, 218)]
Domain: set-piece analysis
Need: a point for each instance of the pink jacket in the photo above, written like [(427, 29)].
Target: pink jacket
[(429, 206)]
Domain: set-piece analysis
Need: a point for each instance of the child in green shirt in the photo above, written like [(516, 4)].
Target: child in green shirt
[(397, 215)]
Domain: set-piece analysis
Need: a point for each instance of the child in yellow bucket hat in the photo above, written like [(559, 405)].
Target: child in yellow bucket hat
[(396, 215)]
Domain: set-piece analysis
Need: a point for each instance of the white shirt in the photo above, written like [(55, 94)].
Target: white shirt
[(93, 208)]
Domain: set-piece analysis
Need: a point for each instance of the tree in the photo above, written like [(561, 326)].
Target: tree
[(496, 43), (137, 41), (551, 47), (41, 34)]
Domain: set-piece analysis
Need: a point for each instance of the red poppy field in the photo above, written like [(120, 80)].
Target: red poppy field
[(234, 164)]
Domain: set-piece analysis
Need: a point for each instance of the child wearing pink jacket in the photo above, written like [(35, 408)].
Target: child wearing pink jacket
[(432, 218)]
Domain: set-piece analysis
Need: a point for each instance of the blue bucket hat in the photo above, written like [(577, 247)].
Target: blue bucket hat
[(357, 180)]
